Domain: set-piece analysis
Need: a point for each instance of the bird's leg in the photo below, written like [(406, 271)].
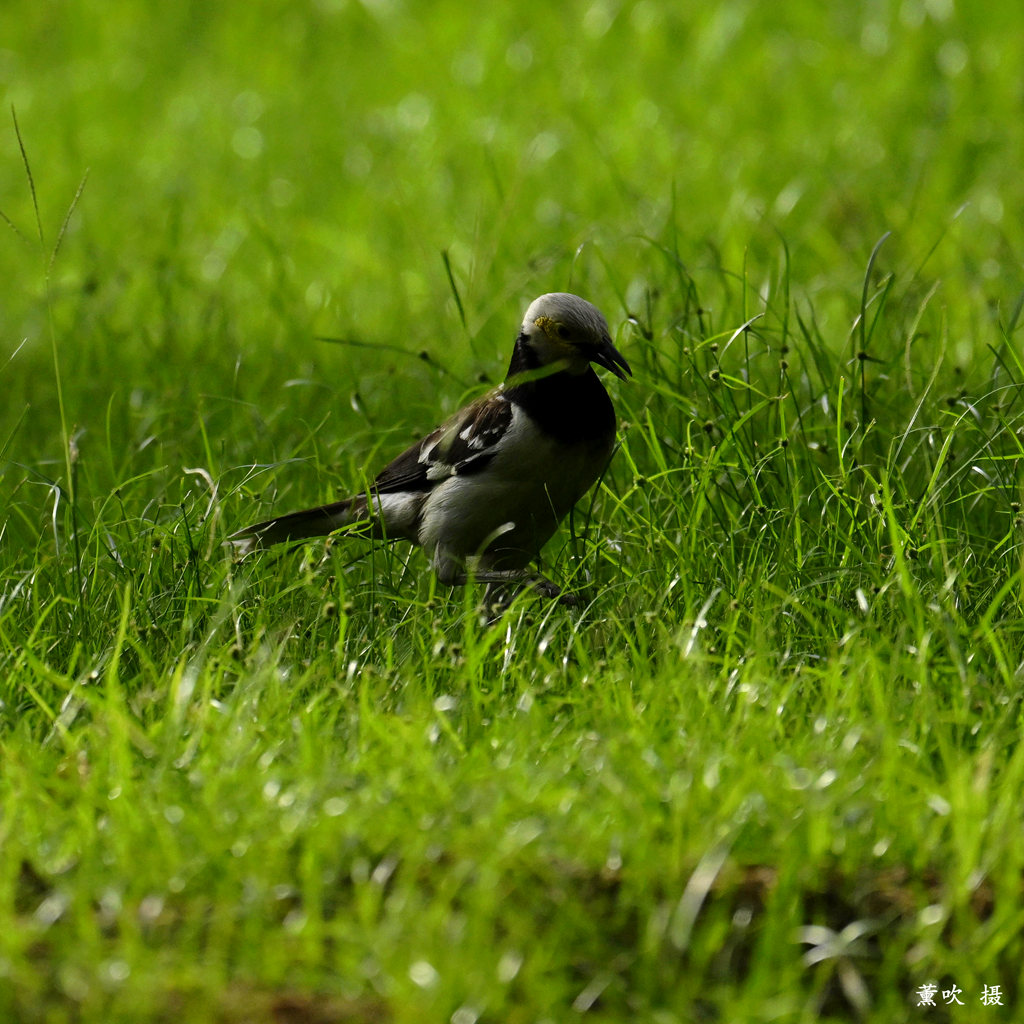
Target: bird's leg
[(498, 579), (541, 584)]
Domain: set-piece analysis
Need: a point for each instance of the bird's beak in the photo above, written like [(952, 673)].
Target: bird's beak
[(608, 356)]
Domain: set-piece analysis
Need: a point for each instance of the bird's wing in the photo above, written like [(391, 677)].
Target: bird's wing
[(463, 445)]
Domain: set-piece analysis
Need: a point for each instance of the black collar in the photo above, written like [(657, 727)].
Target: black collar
[(570, 407)]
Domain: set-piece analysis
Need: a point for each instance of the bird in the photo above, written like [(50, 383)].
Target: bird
[(486, 490)]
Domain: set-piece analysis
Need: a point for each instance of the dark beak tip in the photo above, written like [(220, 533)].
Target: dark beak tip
[(618, 365), (612, 359)]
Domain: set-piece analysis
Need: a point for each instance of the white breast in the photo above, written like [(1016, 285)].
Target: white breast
[(513, 506)]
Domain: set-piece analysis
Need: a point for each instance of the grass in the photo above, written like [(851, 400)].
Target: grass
[(770, 771)]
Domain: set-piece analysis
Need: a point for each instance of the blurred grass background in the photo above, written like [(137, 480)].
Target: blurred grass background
[(258, 177), (324, 793)]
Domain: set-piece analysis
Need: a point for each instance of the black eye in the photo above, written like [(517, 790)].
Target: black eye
[(563, 332)]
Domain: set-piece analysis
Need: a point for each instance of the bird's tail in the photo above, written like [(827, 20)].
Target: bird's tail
[(310, 522)]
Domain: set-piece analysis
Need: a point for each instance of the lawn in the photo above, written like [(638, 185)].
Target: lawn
[(768, 769)]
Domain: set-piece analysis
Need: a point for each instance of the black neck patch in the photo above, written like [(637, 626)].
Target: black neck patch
[(570, 407)]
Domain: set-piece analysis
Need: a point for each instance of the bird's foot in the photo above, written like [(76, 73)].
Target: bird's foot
[(503, 584)]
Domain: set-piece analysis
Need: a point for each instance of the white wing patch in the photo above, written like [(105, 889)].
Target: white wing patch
[(466, 444), (439, 470)]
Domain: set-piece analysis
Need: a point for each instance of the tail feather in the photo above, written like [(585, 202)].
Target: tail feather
[(310, 522)]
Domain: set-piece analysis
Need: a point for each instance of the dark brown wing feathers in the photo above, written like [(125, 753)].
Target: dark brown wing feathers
[(462, 446)]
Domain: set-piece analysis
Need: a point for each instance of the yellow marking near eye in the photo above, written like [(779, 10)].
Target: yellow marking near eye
[(555, 332)]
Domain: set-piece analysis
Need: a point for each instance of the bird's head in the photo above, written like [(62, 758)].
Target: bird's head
[(563, 328)]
